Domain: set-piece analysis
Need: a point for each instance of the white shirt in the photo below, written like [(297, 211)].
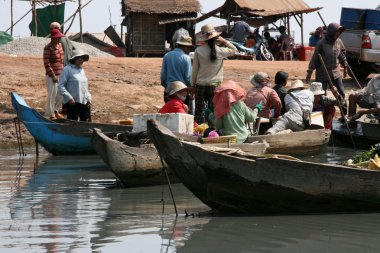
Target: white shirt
[(305, 97)]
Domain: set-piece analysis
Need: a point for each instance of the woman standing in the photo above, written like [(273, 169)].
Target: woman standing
[(208, 68), (73, 86)]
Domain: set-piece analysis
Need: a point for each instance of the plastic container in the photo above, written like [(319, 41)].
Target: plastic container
[(176, 122), (305, 53), (372, 21), (352, 18)]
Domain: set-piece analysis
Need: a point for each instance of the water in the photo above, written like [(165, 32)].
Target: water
[(73, 204)]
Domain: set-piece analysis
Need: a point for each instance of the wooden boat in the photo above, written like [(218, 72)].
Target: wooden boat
[(237, 183), (364, 135), (134, 166), (303, 142), (140, 165), (64, 137)]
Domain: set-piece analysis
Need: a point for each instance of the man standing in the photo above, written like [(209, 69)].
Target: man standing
[(66, 43), (332, 50), (176, 65), (53, 62), (241, 30)]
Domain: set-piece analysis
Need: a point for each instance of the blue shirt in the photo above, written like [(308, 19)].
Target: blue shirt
[(241, 30), (176, 66), (73, 84)]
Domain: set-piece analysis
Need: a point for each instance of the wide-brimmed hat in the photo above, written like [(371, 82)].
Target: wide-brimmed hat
[(297, 84), (316, 88), (176, 86), (56, 33), (78, 53), (208, 32), (258, 77), (185, 40)]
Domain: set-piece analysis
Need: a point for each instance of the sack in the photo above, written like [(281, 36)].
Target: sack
[(306, 118)]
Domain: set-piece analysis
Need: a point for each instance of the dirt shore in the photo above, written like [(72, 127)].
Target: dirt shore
[(120, 87)]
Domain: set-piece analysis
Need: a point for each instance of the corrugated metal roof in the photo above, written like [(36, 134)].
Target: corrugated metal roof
[(161, 6)]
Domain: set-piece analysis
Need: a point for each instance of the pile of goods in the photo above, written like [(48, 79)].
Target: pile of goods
[(367, 159)]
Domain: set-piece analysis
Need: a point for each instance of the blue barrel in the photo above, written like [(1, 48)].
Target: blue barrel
[(353, 18), (372, 21)]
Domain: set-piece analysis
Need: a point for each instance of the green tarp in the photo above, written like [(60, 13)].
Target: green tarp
[(45, 16), (5, 38)]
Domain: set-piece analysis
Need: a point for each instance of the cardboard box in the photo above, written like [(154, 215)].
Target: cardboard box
[(176, 122)]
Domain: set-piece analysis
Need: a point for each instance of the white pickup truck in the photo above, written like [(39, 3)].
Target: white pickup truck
[(362, 40)]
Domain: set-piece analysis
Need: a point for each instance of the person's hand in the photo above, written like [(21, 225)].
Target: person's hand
[(72, 101), (55, 79), (357, 115), (259, 107), (88, 104), (186, 108), (308, 77), (221, 40), (334, 91), (344, 72)]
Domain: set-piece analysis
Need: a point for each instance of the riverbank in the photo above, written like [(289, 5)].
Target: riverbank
[(120, 87)]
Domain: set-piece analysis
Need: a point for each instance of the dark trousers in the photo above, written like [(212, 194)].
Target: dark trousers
[(81, 111), (203, 98)]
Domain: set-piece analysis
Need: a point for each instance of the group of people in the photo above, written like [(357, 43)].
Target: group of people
[(66, 81), (232, 107)]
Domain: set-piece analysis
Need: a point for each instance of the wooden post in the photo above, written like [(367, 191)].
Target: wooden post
[(80, 20), (288, 24), (11, 17), (301, 29), (34, 17)]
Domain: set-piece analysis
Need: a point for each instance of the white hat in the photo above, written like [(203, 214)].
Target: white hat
[(297, 84), (176, 86), (316, 88), (78, 53), (185, 40)]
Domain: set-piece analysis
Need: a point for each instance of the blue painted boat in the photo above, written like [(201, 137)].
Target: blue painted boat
[(63, 137)]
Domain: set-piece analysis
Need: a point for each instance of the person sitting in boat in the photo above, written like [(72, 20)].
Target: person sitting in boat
[(298, 101), (367, 98), (262, 92), (325, 104), (230, 112), (280, 81), (177, 95)]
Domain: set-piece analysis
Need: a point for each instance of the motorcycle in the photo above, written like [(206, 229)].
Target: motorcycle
[(258, 50)]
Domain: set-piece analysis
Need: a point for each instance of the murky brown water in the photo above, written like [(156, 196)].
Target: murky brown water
[(73, 204)]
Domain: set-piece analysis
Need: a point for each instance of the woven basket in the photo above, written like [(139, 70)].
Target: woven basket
[(220, 139)]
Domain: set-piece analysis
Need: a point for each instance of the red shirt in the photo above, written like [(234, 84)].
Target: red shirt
[(53, 59), (174, 105)]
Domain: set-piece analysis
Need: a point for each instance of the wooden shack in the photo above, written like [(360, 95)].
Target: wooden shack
[(151, 23)]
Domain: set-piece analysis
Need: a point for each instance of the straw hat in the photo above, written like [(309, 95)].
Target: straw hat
[(185, 40), (208, 32), (176, 86), (258, 77), (297, 84), (316, 88), (56, 33), (78, 53)]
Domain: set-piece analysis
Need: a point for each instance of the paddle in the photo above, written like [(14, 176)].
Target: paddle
[(339, 103)]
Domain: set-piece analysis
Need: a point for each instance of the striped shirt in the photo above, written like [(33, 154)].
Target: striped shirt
[(53, 59)]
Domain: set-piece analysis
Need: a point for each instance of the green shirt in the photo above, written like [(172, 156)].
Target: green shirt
[(234, 122)]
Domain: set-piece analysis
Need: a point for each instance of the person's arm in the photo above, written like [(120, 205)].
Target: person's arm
[(313, 62), (195, 69), (63, 79), (48, 68), (249, 114), (224, 52), (366, 111), (343, 59), (164, 76), (188, 70), (275, 102)]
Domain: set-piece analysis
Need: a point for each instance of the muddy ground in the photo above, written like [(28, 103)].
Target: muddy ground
[(120, 87)]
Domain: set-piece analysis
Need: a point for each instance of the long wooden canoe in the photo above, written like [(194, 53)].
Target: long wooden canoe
[(65, 137), (249, 185)]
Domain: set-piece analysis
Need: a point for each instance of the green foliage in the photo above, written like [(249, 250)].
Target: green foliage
[(366, 155)]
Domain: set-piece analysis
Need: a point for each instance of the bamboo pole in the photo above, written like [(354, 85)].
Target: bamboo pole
[(80, 20), (11, 17), (301, 29), (18, 20), (34, 17)]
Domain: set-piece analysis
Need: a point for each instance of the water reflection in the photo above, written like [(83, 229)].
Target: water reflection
[(73, 204)]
